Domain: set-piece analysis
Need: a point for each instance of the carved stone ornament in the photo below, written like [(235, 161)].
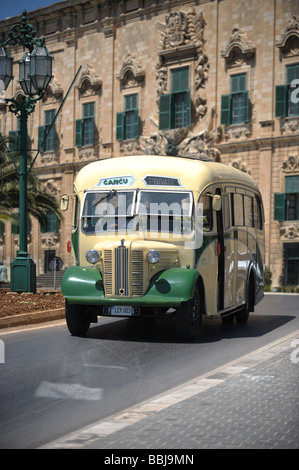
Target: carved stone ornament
[(88, 81), (51, 187), (131, 72), (54, 91), (289, 125), (289, 231), (240, 166), (50, 240), (238, 49), (182, 35), (238, 133), (291, 163), (289, 40)]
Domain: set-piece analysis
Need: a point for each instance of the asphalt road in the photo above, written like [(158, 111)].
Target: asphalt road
[(52, 383)]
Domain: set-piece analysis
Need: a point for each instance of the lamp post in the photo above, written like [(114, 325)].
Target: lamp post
[(35, 73)]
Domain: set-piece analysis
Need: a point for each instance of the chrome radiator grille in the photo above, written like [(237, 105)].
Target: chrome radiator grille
[(108, 270), (123, 272)]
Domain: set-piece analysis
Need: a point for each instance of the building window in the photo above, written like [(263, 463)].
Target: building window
[(286, 96), (291, 263), (286, 205), (235, 106), (51, 224), (175, 107), (49, 143), (127, 122), (85, 126)]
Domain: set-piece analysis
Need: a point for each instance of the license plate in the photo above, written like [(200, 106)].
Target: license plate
[(121, 310)]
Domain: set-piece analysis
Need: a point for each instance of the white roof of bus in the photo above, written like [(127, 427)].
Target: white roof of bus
[(192, 173)]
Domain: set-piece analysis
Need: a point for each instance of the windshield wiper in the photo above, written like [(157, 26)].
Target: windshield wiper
[(106, 196)]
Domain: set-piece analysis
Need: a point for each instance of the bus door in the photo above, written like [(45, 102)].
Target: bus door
[(226, 252), (220, 251)]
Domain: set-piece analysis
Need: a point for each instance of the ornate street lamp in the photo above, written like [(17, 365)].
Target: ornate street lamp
[(35, 73)]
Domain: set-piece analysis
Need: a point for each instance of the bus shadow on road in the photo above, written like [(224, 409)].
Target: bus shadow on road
[(164, 331)]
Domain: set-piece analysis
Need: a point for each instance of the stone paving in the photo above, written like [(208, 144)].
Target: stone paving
[(250, 404)]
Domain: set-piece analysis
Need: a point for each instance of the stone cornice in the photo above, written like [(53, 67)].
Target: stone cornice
[(258, 144)]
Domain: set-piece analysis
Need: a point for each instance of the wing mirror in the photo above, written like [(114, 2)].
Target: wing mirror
[(216, 204), (64, 203)]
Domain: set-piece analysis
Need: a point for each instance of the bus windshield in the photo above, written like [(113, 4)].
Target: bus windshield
[(106, 211), (136, 210)]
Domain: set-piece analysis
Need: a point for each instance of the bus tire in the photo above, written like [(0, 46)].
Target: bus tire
[(189, 317), (78, 322), (243, 315)]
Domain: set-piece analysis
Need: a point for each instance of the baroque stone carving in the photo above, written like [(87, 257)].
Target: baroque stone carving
[(240, 166), (289, 40), (238, 48), (88, 81), (289, 231), (54, 91), (199, 145), (291, 163), (183, 35), (289, 125), (50, 240), (131, 72), (234, 133)]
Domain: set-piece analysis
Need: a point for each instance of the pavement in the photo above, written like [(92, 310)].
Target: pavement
[(250, 403)]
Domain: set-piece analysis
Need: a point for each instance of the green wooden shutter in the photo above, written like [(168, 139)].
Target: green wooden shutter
[(165, 112), (41, 134), (136, 124), (292, 184), (279, 206), (225, 109), (188, 109), (78, 132), (180, 80), (281, 100), (13, 140), (120, 126), (246, 106), (91, 142)]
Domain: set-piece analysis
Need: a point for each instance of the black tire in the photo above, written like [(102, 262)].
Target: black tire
[(78, 322), (189, 317), (243, 315)]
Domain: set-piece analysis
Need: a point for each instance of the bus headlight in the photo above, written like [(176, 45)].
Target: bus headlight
[(92, 256), (153, 256)]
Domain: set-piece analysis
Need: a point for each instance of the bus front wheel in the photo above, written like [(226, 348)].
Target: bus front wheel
[(78, 321), (188, 318)]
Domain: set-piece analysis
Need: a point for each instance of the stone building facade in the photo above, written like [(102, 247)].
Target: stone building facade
[(213, 77)]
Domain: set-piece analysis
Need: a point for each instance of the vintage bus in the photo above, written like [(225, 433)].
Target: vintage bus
[(157, 236)]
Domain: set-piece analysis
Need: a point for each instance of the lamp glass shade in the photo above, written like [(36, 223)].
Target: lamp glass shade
[(5, 67), (24, 75), (41, 68)]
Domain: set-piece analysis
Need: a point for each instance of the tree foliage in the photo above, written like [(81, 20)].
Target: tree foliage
[(39, 201)]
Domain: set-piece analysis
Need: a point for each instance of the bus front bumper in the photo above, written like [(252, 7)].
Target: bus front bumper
[(169, 288)]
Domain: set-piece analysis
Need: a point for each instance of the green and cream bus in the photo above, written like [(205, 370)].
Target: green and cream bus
[(157, 236)]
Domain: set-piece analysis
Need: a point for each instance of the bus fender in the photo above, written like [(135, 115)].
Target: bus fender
[(175, 282), (81, 279)]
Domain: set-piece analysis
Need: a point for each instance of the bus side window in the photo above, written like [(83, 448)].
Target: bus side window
[(257, 214), (248, 211), (238, 209), (207, 213), (226, 211)]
